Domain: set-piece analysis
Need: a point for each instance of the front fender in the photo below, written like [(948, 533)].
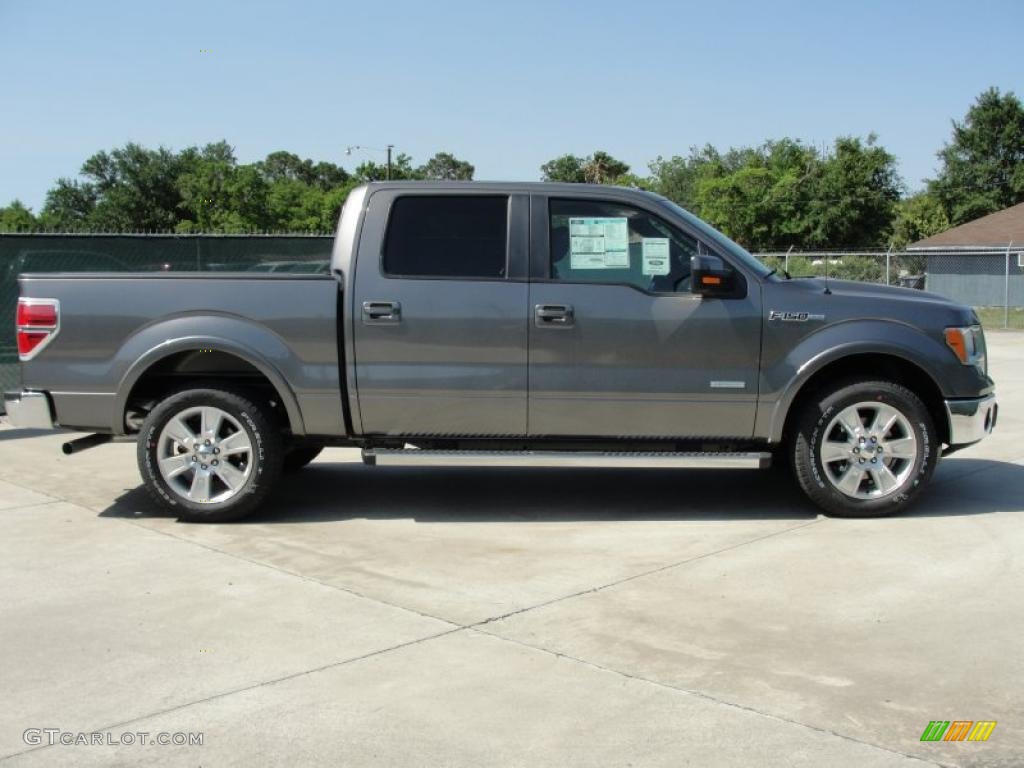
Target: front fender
[(782, 378), (248, 341)]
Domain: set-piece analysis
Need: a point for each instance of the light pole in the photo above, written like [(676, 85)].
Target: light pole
[(354, 147)]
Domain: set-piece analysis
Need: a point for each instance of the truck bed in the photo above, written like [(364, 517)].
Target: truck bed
[(111, 324)]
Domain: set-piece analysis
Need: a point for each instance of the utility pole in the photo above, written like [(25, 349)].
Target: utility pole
[(1006, 289)]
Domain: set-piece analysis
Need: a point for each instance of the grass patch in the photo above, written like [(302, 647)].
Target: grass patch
[(992, 318)]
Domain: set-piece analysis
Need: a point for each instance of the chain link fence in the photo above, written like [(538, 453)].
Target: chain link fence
[(20, 253), (989, 279)]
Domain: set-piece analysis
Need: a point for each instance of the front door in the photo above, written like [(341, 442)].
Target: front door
[(619, 347), (440, 315)]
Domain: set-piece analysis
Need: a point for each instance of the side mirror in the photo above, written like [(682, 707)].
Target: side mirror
[(711, 277)]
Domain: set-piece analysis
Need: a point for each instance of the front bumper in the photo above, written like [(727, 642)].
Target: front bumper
[(970, 420), (29, 410)]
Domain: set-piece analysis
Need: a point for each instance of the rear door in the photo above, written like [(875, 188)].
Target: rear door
[(440, 314), (619, 347)]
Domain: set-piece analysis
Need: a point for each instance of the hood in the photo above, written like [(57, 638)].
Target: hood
[(855, 288), (859, 288), (850, 298)]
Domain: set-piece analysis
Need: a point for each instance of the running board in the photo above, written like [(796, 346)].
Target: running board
[(414, 457)]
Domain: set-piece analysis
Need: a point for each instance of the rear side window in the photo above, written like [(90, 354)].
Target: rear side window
[(447, 236)]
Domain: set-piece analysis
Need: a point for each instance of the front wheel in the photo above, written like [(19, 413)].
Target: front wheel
[(209, 455), (864, 448)]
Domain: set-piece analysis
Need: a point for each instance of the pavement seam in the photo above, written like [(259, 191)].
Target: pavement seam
[(286, 572), (9, 481), (488, 620), (34, 504), (240, 558), (456, 628), (355, 593), (254, 686), (650, 572), (704, 696)]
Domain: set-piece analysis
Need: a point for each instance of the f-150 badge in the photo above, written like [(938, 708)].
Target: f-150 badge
[(793, 317)]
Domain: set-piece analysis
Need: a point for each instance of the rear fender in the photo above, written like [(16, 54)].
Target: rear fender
[(253, 343)]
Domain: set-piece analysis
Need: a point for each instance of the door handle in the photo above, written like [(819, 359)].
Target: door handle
[(382, 312), (554, 315)]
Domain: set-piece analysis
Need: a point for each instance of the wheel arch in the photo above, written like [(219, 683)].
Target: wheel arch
[(890, 365), (210, 359)]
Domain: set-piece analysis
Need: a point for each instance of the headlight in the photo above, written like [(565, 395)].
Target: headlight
[(968, 344)]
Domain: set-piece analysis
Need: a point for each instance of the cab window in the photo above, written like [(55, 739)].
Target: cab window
[(447, 236), (605, 242)]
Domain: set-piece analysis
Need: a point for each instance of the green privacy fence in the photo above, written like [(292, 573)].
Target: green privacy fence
[(21, 253)]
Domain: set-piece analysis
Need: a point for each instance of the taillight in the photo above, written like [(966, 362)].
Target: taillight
[(38, 321)]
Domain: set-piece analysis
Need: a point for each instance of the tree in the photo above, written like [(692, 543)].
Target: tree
[(567, 168), (219, 195), (286, 166), (17, 218), (327, 176), (127, 189), (136, 188), (602, 168), (446, 166), (787, 193), (303, 196), (917, 217), (759, 196), (401, 169), (983, 166), (296, 207), (676, 177), (69, 206), (855, 196), (206, 189), (635, 181), (330, 206), (598, 168), (293, 206)]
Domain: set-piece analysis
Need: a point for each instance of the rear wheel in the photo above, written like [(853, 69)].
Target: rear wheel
[(209, 455), (864, 448)]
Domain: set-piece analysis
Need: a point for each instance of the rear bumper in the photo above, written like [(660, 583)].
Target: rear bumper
[(970, 420), (29, 410)]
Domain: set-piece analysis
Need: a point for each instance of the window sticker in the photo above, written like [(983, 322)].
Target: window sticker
[(599, 243), (655, 256)]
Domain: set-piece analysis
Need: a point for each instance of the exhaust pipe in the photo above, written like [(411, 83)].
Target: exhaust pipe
[(82, 443)]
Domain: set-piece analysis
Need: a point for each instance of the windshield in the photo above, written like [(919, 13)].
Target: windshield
[(715, 236)]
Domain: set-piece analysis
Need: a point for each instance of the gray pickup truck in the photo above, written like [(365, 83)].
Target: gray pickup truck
[(485, 324)]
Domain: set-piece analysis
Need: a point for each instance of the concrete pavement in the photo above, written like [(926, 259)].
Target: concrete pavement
[(507, 617)]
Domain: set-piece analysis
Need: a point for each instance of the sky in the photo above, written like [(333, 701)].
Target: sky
[(504, 85)]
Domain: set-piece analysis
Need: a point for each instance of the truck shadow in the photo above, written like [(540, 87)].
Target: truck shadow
[(327, 492)]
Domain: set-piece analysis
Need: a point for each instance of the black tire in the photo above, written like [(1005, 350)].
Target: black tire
[(266, 455), (299, 455), (815, 417)]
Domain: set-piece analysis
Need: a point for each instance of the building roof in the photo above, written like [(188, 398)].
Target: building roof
[(997, 229)]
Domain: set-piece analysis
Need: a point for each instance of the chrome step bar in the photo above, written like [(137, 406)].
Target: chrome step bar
[(415, 457)]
